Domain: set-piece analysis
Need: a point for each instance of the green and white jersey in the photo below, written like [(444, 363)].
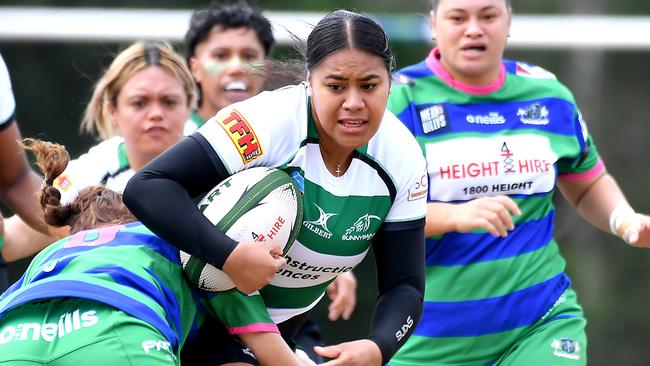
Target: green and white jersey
[(193, 123), (385, 183), (104, 164), (7, 102)]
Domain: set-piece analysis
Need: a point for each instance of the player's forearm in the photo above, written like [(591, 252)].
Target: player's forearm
[(598, 201), (21, 241), (400, 284), (270, 349), (21, 197)]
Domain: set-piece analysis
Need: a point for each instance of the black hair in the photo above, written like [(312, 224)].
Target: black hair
[(232, 15), (342, 29)]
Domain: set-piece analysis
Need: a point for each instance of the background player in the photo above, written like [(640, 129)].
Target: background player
[(111, 294), (499, 137), (139, 108)]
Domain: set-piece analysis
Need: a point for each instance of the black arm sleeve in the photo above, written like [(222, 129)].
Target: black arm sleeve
[(399, 256), (161, 196)]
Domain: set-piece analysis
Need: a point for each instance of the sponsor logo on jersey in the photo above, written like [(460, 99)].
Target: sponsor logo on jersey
[(63, 182), (68, 323), (358, 230), (531, 71), (433, 118), (583, 127), (319, 226), (419, 189), (534, 114), (566, 348), (405, 328), (508, 161), (460, 169), (492, 118), (302, 270), (247, 351), (242, 135), (492, 168), (157, 345), (557, 303)]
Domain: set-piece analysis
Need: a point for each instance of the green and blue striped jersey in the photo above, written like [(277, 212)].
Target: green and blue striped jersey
[(514, 137), (125, 266)]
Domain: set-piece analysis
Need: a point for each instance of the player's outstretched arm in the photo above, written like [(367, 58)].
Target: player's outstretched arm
[(21, 241), (602, 203), (19, 184)]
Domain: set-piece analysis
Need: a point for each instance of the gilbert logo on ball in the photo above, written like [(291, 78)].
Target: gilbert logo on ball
[(258, 204)]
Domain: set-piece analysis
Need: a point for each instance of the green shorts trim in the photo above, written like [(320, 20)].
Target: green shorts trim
[(73, 331)]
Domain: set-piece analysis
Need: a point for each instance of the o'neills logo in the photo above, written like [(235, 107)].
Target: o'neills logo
[(242, 135), (68, 323)]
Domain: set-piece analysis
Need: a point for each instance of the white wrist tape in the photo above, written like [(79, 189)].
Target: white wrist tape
[(621, 219)]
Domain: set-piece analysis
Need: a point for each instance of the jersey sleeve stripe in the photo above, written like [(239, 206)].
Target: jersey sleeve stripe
[(597, 169), (254, 328), (403, 225)]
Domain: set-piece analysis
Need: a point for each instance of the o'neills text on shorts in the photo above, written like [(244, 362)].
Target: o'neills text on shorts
[(68, 323)]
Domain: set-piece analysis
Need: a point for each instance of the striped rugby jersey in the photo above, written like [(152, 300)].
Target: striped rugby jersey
[(341, 214), (514, 137), (124, 266)]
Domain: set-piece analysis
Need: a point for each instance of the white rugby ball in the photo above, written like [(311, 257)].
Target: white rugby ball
[(256, 204)]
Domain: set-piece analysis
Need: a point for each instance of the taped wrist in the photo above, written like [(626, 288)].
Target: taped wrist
[(622, 218)]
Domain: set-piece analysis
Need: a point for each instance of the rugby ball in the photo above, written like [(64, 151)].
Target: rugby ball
[(257, 204)]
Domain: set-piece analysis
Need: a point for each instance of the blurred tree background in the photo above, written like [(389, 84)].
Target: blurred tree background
[(53, 80)]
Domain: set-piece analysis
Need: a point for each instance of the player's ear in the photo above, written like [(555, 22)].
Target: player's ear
[(432, 19), (195, 66), (308, 81)]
